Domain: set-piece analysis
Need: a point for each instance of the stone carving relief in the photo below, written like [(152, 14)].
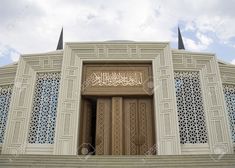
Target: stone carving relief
[(190, 108), (5, 98), (43, 118), (229, 93)]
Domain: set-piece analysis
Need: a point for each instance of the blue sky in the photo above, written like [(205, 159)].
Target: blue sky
[(32, 26)]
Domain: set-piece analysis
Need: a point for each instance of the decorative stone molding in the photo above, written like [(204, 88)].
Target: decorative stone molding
[(159, 54), (7, 77), (227, 73), (21, 102), (213, 99), (7, 74)]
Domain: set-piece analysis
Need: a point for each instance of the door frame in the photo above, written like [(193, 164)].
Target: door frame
[(165, 111)]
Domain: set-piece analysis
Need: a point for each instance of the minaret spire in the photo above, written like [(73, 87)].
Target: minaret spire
[(180, 41), (60, 42)]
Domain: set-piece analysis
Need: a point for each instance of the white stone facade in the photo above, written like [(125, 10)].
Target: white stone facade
[(69, 62)]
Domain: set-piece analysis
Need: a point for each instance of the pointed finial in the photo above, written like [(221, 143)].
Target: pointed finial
[(60, 42), (180, 41)]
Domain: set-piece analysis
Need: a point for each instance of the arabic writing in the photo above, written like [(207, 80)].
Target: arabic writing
[(116, 79)]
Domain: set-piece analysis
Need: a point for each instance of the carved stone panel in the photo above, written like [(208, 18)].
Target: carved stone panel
[(216, 117), (5, 99), (21, 105)]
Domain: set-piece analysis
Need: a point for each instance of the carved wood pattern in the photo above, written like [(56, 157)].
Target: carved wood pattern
[(103, 126), (133, 128), (117, 126), (143, 128), (139, 134), (100, 129), (130, 126)]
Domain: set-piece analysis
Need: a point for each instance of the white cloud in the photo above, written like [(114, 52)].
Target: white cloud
[(204, 40), (7, 51), (14, 56), (2, 50), (34, 26), (201, 43), (193, 45), (233, 61)]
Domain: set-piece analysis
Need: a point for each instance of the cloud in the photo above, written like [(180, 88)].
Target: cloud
[(233, 61), (14, 56), (7, 51), (193, 45), (34, 26), (204, 40), (201, 42)]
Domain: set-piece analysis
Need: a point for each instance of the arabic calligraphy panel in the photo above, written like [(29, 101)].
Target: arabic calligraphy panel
[(116, 79)]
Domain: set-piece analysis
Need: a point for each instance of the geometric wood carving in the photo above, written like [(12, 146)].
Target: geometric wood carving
[(138, 127), (117, 126), (103, 126)]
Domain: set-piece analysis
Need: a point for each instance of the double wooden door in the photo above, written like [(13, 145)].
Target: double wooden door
[(123, 126)]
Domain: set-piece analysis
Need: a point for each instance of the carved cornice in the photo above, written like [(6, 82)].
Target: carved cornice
[(227, 73), (7, 74)]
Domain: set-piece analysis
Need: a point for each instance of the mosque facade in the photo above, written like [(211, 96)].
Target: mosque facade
[(117, 98)]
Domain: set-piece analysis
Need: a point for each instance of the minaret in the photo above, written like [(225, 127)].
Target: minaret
[(180, 41), (60, 42)]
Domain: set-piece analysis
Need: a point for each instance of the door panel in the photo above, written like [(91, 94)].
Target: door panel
[(85, 127), (103, 126), (145, 125), (131, 126), (123, 125), (139, 132), (117, 126)]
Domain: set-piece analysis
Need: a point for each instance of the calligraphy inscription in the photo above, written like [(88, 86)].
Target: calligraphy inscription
[(115, 79)]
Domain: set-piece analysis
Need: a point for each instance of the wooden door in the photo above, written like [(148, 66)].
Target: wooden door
[(124, 126), (103, 126), (85, 124), (138, 127)]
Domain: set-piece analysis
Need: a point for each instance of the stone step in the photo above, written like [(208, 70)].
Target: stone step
[(43, 161)]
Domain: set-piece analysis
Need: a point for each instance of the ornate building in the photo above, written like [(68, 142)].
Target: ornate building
[(117, 98)]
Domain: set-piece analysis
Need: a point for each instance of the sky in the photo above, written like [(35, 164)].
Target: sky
[(33, 26)]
